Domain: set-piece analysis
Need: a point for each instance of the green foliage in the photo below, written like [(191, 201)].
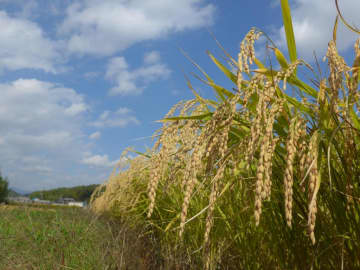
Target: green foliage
[(51, 238), (13, 193), (79, 193), (4, 188)]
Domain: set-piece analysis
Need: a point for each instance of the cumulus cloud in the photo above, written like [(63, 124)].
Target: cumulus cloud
[(133, 82), (38, 169), (313, 24), (41, 131), (42, 107), (24, 45), (123, 23), (95, 136), (91, 75), (152, 57), (42, 138), (38, 113), (75, 109), (99, 161), (120, 118)]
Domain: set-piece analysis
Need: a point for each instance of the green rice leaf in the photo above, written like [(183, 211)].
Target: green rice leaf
[(289, 32), (266, 71), (238, 132), (201, 99), (299, 105), (259, 63), (220, 90), (226, 71), (355, 119), (281, 58), (303, 86), (172, 222), (140, 153), (191, 117)]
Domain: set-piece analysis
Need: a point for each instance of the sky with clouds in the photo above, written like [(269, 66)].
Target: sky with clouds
[(81, 80)]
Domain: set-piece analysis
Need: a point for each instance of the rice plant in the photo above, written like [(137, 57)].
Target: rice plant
[(259, 178)]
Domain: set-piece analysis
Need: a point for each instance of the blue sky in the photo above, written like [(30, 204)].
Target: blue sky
[(82, 80)]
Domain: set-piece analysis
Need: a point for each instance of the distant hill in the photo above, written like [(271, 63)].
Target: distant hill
[(79, 193), (13, 193), (19, 191)]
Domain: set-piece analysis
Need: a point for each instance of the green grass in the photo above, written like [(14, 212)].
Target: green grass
[(66, 238)]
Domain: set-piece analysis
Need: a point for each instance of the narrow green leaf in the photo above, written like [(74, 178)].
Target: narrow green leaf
[(140, 153), (196, 65), (279, 126), (299, 105), (199, 98), (226, 71), (289, 32), (266, 71), (259, 63), (224, 217), (303, 86), (172, 222), (355, 119), (281, 58), (221, 90), (191, 117), (238, 132)]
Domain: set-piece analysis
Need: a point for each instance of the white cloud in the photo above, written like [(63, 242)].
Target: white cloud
[(40, 106), (75, 109), (91, 75), (40, 132), (313, 23), (95, 136), (118, 72), (133, 82), (121, 118), (24, 45), (152, 57), (104, 115), (123, 110), (123, 23), (38, 169), (99, 161)]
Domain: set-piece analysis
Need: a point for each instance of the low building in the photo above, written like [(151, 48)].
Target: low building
[(68, 200), (64, 200), (36, 200), (20, 199), (78, 204)]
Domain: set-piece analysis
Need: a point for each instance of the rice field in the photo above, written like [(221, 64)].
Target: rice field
[(259, 178)]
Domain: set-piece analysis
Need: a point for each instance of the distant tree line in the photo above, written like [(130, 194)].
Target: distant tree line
[(4, 188), (79, 193)]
